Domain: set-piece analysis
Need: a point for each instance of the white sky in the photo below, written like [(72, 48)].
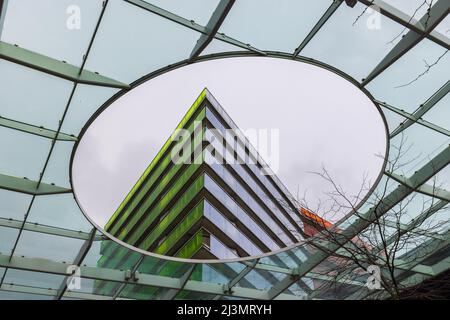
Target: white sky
[(323, 120)]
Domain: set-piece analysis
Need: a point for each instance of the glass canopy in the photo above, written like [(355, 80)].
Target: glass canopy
[(60, 64)]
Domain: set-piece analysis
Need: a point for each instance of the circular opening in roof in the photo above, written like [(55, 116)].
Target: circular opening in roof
[(172, 169)]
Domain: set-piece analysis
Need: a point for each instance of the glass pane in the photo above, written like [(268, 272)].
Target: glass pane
[(217, 46), (31, 96), (147, 43), (57, 170), (23, 154), (198, 10), (13, 205), (444, 26), (354, 45), (419, 145), (9, 295), (34, 279), (39, 245), (413, 8), (273, 25), (8, 238), (440, 113), (53, 27), (414, 77), (86, 100), (58, 211)]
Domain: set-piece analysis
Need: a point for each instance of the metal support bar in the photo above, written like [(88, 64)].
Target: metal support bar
[(412, 119), (213, 25), (330, 11), (77, 261), (436, 14), (24, 185), (428, 190), (401, 192), (34, 227), (133, 270), (55, 67), (240, 276), (423, 109), (191, 24), (48, 266), (35, 130)]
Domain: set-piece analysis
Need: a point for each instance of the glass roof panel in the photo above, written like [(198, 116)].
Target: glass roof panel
[(13, 205), (408, 82), (273, 25), (23, 154), (31, 96), (413, 8), (58, 211), (33, 279), (440, 113), (218, 46), (57, 170), (86, 100), (418, 144), (147, 42), (353, 43), (7, 239), (444, 27), (39, 245), (9, 295), (198, 10), (57, 31)]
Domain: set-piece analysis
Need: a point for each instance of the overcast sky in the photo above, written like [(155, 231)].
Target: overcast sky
[(323, 120)]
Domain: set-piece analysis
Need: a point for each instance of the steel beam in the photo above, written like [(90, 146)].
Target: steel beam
[(53, 267), (35, 227), (425, 189), (436, 14), (330, 11), (191, 24), (213, 25), (35, 130), (55, 67), (412, 119), (24, 185), (423, 109)]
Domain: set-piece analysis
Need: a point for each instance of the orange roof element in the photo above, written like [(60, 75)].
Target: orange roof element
[(317, 221)]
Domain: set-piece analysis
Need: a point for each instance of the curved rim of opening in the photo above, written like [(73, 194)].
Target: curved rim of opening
[(216, 56)]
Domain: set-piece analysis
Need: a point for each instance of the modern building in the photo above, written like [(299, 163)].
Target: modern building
[(213, 201), (206, 195)]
